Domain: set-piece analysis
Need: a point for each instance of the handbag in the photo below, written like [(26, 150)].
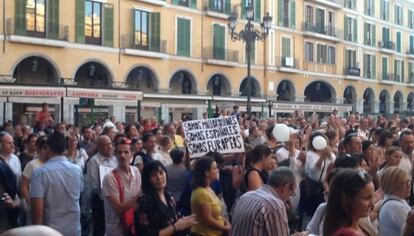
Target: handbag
[(127, 218)]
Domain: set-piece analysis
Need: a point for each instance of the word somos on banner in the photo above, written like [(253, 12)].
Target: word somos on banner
[(221, 135)]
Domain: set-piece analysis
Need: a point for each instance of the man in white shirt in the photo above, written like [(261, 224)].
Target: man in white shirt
[(6, 153), (407, 146), (105, 158)]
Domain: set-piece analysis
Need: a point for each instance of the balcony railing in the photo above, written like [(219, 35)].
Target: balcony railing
[(61, 34), (288, 62), (388, 77), (219, 6), (221, 54), (320, 29), (352, 71), (369, 75), (386, 45), (128, 41), (319, 67)]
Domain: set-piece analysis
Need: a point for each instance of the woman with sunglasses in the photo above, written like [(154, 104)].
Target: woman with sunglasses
[(157, 212), (396, 184), (350, 199), (120, 190)]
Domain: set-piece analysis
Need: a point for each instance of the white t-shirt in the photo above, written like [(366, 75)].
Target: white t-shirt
[(110, 188), (30, 167), (312, 171)]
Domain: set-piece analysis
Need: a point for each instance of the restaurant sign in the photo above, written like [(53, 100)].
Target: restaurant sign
[(21, 91)]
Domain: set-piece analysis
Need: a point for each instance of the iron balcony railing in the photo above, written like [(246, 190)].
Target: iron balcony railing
[(329, 30), (288, 62), (128, 41), (61, 33), (352, 71), (386, 45), (221, 54), (219, 6)]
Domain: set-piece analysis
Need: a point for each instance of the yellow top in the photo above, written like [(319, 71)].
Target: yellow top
[(202, 196), (178, 141)]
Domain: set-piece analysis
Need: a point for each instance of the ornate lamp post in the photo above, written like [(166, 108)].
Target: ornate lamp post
[(249, 35)]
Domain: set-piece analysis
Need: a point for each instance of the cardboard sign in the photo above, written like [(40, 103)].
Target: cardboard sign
[(221, 135)]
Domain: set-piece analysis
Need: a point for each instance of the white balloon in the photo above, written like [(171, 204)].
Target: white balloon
[(319, 143), (281, 132)]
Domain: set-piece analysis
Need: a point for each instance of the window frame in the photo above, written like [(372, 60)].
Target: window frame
[(35, 32), (148, 25), (92, 39)]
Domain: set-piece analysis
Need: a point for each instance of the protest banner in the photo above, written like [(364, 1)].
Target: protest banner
[(221, 135)]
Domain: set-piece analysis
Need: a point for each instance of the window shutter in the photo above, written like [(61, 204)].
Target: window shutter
[(20, 17), (384, 68), (285, 47), (183, 37), (374, 66), (280, 13), (374, 35), (180, 36), (80, 21), (243, 9), (355, 33), (227, 7), (366, 36), (155, 32), (398, 41), (187, 38), (402, 72), (292, 14), (175, 2), (257, 10), (396, 75), (193, 4), (53, 19), (365, 65), (411, 43), (346, 25), (108, 25)]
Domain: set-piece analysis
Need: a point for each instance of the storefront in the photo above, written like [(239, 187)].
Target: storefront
[(309, 108)]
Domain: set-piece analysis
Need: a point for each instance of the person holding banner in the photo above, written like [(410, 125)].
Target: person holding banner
[(204, 202)]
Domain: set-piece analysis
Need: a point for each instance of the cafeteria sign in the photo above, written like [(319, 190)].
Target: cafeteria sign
[(221, 135)]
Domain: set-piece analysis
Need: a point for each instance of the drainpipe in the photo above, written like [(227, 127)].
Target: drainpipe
[(4, 26)]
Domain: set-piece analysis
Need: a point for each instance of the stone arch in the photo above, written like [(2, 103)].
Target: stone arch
[(410, 102), (142, 78), (255, 87), (36, 69), (398, 102), (93, 73), (320, 91), (285, 91), (183, 82), (219, 85), (384, 102), (369, 101)]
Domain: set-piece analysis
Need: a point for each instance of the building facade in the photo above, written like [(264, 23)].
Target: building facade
[(180, 55)]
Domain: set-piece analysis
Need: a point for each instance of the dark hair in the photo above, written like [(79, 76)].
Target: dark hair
[(347, 183), (41, 142), (331, 134), (199, 173), (218, 158), (258, 153), (84, 128), (127, 128), (365, 145), (348, 138), (383, 137), (27, 140), (147, 136), (269, 132), (123, 140), (67, 142), (348, 161), (56, 142), (177, 155), (405, 132), (149, 168)]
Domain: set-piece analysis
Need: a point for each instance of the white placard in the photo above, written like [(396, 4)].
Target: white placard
[(103, 171), (221, 135)]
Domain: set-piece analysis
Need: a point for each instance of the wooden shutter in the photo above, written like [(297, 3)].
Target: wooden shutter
[(193, 4), (398, 42), (395, 70), (227, 6), (183, 37), (346, 28), (384, 68), (53, 19), (374, 66), (365, 68), (20, 17), (292, 14), (257, 10), (374, 35), (286, 52), (402, 72), (108, 25), (411, 43), (243, 9), (154, 32), (355, 33), (366, 38), (80, 21), (280, 13), (218, 42)]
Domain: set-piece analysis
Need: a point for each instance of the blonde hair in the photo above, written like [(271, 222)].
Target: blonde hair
[(391, 178)]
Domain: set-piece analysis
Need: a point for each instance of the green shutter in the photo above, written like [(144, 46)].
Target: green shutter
[(402, 72), (53, 19), (411, 43), (374, 35), (280, 13), (108, 14), (293, 14), (410, 23), (193, 4), (365, 66), (183, 40), (285, 47), (175, 2), (180, 36), (154, 32), (218, 42), (346, 29), (374, 67), (395, 70), (384, 68), (20, 17), (398, 41), (188, 38), (227, 7), (80, 21), (384, 34), (355, 33), (257, 10), (211, 5), (366, 41), (243, 9), (410, 72)]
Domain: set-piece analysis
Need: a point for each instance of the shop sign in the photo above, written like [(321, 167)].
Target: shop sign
[(311, 107), (104, 94), (16, 91)]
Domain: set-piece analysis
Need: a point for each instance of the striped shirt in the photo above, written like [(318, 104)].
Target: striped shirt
[(260, 213)]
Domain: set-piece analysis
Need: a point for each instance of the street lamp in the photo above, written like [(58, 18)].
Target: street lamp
[(248, 35)]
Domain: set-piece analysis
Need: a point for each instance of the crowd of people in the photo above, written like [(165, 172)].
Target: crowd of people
[(112, 178)]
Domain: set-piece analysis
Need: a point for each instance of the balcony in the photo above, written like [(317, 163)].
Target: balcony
[(58, 39), (369, 75), (218, 8), (319, 67), (387, 46), (410, 52), (288, 64), (321, 31), (389, 77), (158, 49), (352, 71), (223, 57), (335, 4), (156, 2)]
